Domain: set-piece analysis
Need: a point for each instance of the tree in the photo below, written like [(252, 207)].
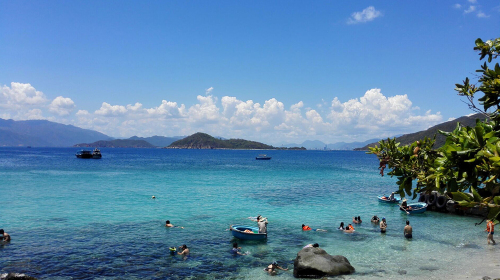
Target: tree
[(469, 161)]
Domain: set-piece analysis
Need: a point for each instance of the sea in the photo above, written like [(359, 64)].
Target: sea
[(73, 218)]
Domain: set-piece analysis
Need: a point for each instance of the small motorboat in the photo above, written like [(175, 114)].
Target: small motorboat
[(262, 157), (88, 154), (247, 232), (414, 208), (383, 198)]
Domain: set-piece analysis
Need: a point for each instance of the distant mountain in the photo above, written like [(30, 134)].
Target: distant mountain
[(204, 141), (440, 139), (158, 141), (42, 133), (350, 146), (118, 143)]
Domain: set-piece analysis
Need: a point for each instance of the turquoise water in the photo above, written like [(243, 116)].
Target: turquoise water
[(75, 218)]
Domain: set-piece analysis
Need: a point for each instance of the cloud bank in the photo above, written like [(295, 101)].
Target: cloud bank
[(369, 116)]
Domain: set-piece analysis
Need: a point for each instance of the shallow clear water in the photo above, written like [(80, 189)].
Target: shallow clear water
[(75, 218)]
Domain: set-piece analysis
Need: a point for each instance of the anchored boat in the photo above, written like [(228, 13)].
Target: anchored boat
[(247, 232)]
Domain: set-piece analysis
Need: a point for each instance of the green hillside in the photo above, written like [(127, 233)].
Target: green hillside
[(118, 143), (204, 141), (449, 126)]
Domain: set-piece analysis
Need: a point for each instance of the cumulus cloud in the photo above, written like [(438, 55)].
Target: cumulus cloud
[(20, 95), (62, 106), (366, 15), (480, 14), (371, 115), (108, 110), (470, 9)]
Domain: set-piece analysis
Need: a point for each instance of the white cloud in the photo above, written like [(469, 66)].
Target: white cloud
[(368, 116), (209, 90), (108, 110), (366, 15), (480, 14), (62, 106), (457, 6), (472, 1), (470, 9), (20, 96)]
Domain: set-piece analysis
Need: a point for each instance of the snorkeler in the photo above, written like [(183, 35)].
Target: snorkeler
[(271, 269), (168, 224)]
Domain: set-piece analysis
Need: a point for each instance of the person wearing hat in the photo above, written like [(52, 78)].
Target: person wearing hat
[(391, 197), (383, 225), (271, 269), (262, 223)]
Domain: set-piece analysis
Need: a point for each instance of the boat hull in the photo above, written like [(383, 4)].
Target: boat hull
[(381, 199), (238, 231), (416, 208)]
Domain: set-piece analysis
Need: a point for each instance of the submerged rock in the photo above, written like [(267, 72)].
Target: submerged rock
[(316, 262), (16, 276)]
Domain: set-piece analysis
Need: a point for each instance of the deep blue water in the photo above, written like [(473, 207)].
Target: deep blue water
[(75, 218)]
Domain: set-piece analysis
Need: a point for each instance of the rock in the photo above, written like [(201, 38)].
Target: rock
[(315, 263), (16, 276)]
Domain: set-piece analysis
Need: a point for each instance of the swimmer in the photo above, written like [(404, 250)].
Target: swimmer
[(315, 245), (341, 226), (356, 220), (5, 236), (168, 224), (184, 250), (349, 229), (383, 225), (153, 197), (271, 269), (306, 228), (408, 230), (375, 219), (236, 250)]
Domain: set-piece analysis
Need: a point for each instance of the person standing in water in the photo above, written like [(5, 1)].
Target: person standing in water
[(490, 228), (408, 230), (262, 223), (5, 237), (383, 225), (236, 250)]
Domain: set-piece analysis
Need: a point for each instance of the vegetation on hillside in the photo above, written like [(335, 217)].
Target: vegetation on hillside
[(469, 161), (204, 141), (118, 143)]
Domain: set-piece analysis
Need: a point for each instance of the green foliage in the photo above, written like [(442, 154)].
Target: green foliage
[(204, 141), (469, 161)]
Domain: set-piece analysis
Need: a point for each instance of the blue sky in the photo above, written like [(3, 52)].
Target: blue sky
[(269, 71)]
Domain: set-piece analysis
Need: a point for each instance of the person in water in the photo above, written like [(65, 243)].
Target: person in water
[(271, 269), (236, 250), (6, 237), (184, 250), (490, 228), (315, 245), (355, 220), (306, 228), (168, 224), (349, 228), (375, 219), (383, 225), (262, 223), (408, 230), (341, 226)]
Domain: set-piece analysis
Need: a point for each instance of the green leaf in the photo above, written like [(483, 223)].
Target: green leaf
[(460, 196), (477, 197)]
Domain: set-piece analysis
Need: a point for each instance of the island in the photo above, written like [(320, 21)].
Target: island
[(201, 140)]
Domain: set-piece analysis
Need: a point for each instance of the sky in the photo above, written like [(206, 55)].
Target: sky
[(276, 72)]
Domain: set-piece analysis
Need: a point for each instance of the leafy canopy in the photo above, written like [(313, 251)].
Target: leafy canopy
[(469, 161)]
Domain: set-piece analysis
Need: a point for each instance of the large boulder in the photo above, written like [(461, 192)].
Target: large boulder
[(315, 262)]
